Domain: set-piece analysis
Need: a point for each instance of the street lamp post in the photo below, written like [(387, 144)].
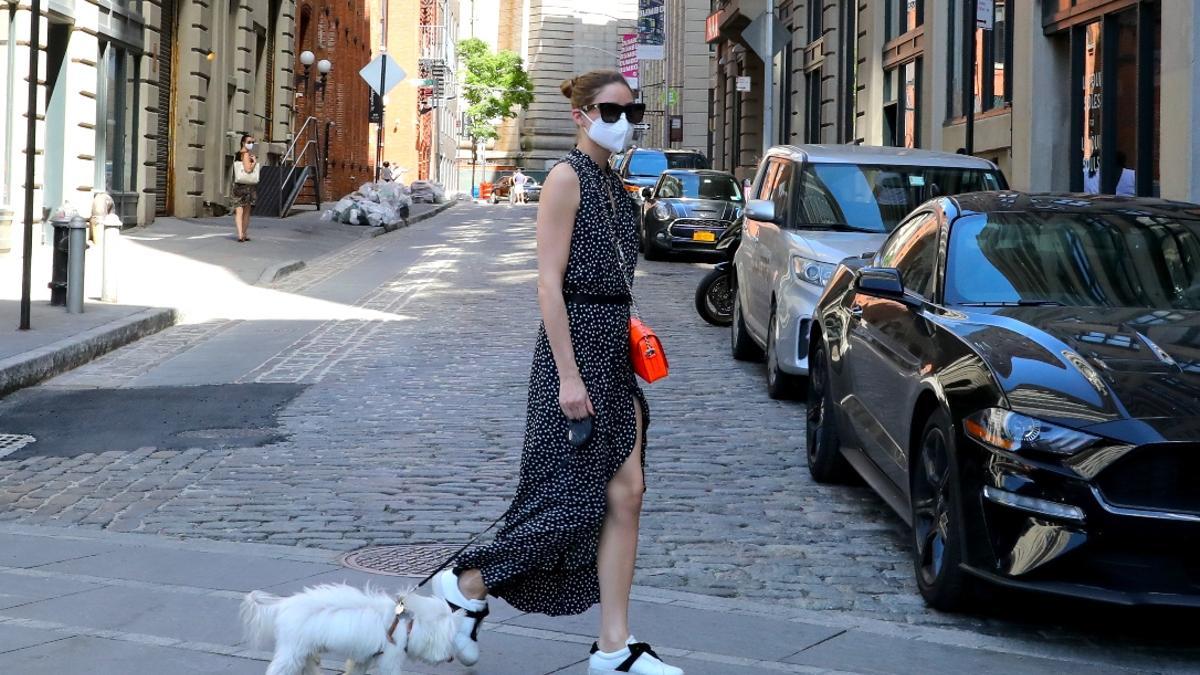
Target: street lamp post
[(35, 37)]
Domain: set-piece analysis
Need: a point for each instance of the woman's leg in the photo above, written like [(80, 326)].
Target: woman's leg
[(618, 545), (237, 221)]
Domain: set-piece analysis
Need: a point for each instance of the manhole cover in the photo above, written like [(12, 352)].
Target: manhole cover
[(10, 443), (410, 560)]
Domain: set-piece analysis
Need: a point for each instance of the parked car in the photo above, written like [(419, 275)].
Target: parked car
[(502, 190), (641, 167), (1018, 376), (687, 211), (811, 206)]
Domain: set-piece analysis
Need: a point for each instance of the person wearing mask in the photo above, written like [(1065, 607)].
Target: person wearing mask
[(569, 539), (245, 186)]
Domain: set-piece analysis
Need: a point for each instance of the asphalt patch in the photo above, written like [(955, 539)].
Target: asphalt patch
[(71, 422)]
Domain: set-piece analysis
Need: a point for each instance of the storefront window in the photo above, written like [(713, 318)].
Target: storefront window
[(119, 102), (902, 107), (993, 58), (901, 16), (1116, 109)]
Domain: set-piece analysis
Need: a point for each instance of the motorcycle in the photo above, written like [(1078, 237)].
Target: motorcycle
[(714, 295)]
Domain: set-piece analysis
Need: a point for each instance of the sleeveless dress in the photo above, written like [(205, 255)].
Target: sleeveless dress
[(543, 559)]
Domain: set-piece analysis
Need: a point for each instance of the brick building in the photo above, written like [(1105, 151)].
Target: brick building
[(341, 33)]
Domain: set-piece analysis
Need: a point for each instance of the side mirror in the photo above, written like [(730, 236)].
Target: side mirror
[(647, 192), (762, 210), (882, 282)]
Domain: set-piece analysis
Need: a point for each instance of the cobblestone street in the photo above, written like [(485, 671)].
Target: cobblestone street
[(406, 424)]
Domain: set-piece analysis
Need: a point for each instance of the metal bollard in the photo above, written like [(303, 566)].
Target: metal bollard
[(78, 248), (112, 240), (60, 222)]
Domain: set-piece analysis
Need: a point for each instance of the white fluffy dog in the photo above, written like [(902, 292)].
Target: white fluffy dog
[(349, 622)]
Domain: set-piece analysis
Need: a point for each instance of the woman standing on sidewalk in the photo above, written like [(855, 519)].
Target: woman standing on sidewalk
[(570, 537), (245, 186)]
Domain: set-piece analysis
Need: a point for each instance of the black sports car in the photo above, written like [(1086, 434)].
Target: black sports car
[(1019, 377), (687, 210)]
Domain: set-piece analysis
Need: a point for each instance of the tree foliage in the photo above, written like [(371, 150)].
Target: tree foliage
[(495, 86)]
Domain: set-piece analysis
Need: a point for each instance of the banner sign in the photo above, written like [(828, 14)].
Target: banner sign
[(985, 14), (629, 59), (652, 30), (712, 25)]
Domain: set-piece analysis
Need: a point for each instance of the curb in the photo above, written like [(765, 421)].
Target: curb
[(55, 358), (277, 272)]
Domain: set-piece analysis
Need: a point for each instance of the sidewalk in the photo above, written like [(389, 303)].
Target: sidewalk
[(172, 270), (83, 601)]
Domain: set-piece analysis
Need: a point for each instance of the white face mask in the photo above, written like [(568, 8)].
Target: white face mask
[(249, 146), (612, 136)]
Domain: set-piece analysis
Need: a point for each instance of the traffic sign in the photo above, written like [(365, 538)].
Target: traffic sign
[(374, 73)]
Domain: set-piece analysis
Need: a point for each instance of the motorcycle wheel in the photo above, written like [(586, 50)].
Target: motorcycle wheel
[(714, 298)]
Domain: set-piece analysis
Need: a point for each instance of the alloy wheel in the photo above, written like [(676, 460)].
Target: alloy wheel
[(932, 507), (816, 413), (719, 298)]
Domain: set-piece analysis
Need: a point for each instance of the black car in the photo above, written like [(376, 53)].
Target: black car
[(687, 211), (641, 167), (1019, 377)]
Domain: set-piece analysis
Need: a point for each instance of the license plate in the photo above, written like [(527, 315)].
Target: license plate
[(704, 236)]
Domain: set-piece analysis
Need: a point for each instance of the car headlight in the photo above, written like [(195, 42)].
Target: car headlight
[(814, 272), (1013, 432), (662, 211)]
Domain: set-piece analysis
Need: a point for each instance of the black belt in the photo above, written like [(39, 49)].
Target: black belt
[(597, 298)]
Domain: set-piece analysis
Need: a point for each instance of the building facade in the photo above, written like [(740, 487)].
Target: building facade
[(1066, 94), (420, 115), (676, 88), (332, 111)]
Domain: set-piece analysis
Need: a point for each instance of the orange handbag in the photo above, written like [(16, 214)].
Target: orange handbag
[(646, 351)]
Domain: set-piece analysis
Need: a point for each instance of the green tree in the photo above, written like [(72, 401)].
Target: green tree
[(495, 85)]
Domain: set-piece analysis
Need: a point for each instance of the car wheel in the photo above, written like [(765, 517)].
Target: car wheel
[(826, 463), (650, 250), (780, 385), (936, 517), (741, 345)]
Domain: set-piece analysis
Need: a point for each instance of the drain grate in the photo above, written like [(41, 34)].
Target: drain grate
[(10, 443), (409, 560)]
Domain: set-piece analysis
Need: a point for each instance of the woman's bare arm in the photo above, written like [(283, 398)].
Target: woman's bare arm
[(555, 223)]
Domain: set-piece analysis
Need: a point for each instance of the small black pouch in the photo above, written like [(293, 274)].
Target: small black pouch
[(580, 432)]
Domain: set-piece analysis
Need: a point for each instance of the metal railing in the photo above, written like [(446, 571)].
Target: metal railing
[(312, 144)]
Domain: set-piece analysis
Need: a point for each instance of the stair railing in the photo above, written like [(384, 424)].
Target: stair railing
[(311, 146)]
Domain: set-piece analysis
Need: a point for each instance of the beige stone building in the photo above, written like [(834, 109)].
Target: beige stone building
[(1067, 94), (144, 100), (676, 88)]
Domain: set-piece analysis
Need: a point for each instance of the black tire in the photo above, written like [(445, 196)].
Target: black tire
[(741, 345), (826, 463), (938, 533), (651, 251), (714, 297), (781, 386)]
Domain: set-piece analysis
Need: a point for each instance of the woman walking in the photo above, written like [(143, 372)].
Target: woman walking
[(570, 537), (245, 186)]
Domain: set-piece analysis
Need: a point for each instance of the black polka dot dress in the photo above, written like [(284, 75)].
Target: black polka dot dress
[(544, 558)]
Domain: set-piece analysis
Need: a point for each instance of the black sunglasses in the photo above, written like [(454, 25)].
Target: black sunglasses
[(611, 112)]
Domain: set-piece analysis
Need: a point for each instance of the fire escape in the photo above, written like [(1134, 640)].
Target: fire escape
[(434, 73)]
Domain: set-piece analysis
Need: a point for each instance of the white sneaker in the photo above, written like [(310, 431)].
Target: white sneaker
[(466, 642), (636, 658)]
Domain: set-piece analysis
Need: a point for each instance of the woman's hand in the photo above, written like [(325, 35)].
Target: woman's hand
[(573, 397)]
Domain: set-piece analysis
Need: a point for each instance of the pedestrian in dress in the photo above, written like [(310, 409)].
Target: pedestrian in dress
[(569, 540), (245, 186)]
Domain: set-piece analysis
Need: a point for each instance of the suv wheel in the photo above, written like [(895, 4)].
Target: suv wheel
[(741, 345), (780, 385)]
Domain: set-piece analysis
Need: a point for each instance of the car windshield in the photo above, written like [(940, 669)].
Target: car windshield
[(654, 163), (696, 186), (877, 198), (1075, 260)]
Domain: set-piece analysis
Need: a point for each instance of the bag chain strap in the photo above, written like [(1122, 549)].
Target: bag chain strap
[(617, 245)]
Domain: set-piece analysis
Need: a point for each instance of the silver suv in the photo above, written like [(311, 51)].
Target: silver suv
[(810, 207)]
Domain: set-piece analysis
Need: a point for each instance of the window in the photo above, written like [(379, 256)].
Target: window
[(670, 188), (902, 105), (913, 251), (1116, 74), (848, 69), (117, 142), (993, 58), (812, 106), (816, 27), (782, 192), (901, 16)]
